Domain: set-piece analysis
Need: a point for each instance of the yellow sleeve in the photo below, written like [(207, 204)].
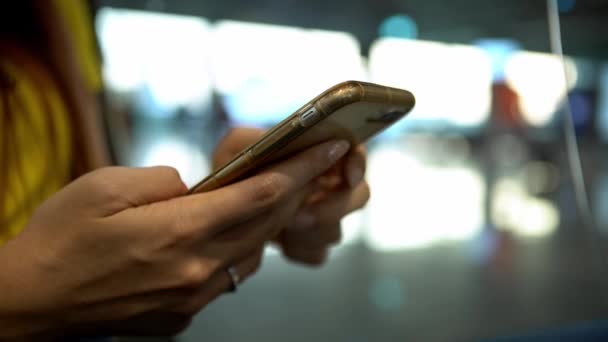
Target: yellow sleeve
[(36, 129), (77, 16)]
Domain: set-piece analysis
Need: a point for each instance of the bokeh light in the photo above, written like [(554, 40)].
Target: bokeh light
[(387, 293), (265, 72), (538, 79), (565, 6), (451, 82), (188, 160), (514, 209), (399, 26), (417, 205), (141, 51), (499, 51)]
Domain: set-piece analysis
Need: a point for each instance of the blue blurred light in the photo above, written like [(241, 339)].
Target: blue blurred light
[(581, 108), (399, 26), (387, 293), (483, 247), (602, 104), (499, 51), (565, 6)]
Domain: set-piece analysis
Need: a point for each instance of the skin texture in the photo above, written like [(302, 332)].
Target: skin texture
[(122, 251), (337, 192)]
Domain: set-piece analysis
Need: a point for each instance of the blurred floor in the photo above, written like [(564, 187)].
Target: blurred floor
[(434, 294)]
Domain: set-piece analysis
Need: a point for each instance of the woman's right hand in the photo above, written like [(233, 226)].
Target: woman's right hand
[(121, 251)]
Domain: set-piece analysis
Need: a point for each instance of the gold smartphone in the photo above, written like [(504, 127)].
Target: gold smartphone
[(351, 110)]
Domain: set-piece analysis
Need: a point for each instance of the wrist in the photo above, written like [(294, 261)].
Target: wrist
[(20, 319)]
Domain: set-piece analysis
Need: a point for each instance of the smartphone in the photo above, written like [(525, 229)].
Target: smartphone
[(352, 110)]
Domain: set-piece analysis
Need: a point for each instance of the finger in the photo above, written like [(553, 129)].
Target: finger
[(314, 257), (331, 178), (152, 184), (219, 284), (170, 311), (234, 244), (355, 165), (237, 242), (319, 225), (113, 189), (243, 269), (348, 171), (219, 250), (334, 206), (155, 323), (207, 214), (269, 224), (316, 238), (234, 142), (127, 307)]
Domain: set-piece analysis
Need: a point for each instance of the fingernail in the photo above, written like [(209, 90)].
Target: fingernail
[(354, 176), (338, 150), (304, 220)]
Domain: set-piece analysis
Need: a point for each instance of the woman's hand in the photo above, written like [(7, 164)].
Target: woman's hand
[(121, 251), (316, 227)]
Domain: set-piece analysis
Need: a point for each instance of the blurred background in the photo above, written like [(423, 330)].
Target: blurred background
[(472, 231)]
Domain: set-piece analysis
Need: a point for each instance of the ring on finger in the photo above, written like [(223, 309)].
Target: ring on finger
[(234, 278)]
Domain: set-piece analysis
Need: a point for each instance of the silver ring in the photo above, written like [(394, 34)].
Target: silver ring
[(234, 278)]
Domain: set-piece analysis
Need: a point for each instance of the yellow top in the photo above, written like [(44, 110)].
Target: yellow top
[(38, 152), (77, 19)]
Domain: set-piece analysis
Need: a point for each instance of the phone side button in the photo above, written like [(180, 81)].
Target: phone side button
[(310, 117)]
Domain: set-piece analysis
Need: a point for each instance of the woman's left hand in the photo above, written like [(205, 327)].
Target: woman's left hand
[(316, 227)]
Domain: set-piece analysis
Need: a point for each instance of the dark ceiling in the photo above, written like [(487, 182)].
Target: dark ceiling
[(584, 28)]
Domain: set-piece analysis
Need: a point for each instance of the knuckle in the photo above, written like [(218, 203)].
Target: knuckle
[(251, 267), (183, 228), (317, 259), (194, 274), (257, 263), (181, 231), (169, 174), (270, 189), (312, 258), (362, 150), (99, 179), (364, 195), (171, 180), (334, 236), (103, 181), (366, 191)]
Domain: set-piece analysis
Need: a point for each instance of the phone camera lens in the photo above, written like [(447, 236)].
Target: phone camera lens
[(386, 117), (391, 116)]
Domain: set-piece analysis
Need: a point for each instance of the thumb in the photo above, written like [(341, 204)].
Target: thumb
[(109, 190)]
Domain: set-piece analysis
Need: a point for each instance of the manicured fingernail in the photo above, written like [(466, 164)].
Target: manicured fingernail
[(304, 220), (355, 175), (338, 150)]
